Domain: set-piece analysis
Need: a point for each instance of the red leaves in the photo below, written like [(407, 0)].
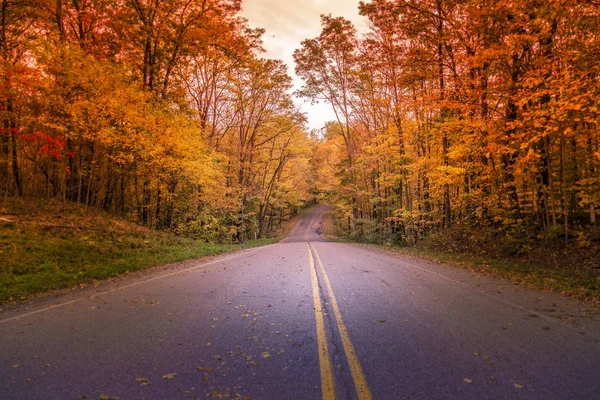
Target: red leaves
[(18, 83), (8, 131), (48, 145)]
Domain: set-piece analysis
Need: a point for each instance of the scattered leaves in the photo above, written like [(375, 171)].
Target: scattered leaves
[(143, 381)]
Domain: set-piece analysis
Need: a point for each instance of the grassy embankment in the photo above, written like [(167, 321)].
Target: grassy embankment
[(547, 265), (46, 246)]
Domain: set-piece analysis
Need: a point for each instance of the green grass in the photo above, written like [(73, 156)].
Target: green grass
[(39, 255)]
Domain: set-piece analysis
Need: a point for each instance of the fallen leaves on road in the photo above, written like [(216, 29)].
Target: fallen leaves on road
[(266, 354), (518, 386), (143, 381), (467, 380), (170, 375)]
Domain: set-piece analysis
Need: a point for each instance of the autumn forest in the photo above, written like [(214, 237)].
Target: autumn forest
[(447, 112)]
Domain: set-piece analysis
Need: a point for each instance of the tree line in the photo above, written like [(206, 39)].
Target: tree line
[(459, 112), (162, 111)]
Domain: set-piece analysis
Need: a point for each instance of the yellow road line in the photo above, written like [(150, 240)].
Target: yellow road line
[(360, 381), (327, 385)]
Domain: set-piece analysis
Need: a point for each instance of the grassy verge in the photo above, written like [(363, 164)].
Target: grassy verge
[(46, 247), (577, 277)]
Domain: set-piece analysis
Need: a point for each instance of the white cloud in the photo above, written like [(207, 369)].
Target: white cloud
[(289, 22)]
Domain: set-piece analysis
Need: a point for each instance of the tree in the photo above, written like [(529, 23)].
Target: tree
[(461, 112)]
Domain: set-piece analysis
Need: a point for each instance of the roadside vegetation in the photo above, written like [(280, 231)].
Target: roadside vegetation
[(49, 245), (165, 113)]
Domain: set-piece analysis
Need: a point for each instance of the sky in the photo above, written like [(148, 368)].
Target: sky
[(287, 23)]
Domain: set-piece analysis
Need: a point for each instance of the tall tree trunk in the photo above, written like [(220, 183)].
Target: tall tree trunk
[(443, 112), (15, 159), (59, 20)]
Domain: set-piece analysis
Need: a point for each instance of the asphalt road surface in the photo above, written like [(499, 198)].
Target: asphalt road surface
[(301, 319)]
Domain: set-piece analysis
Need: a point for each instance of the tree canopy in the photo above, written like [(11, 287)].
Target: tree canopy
[(446, 112), (453, 112), (162, 111)]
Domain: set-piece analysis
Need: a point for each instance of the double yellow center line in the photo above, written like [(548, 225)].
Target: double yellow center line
[(327, 381), (327, 385)]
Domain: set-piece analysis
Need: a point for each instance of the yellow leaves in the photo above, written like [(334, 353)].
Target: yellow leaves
[(449, 173)]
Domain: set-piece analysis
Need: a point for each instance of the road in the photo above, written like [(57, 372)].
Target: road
[(301, 319)]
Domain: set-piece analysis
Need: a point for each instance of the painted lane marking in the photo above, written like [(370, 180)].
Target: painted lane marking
[(358, 376), (327, 384), (183, 271)]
